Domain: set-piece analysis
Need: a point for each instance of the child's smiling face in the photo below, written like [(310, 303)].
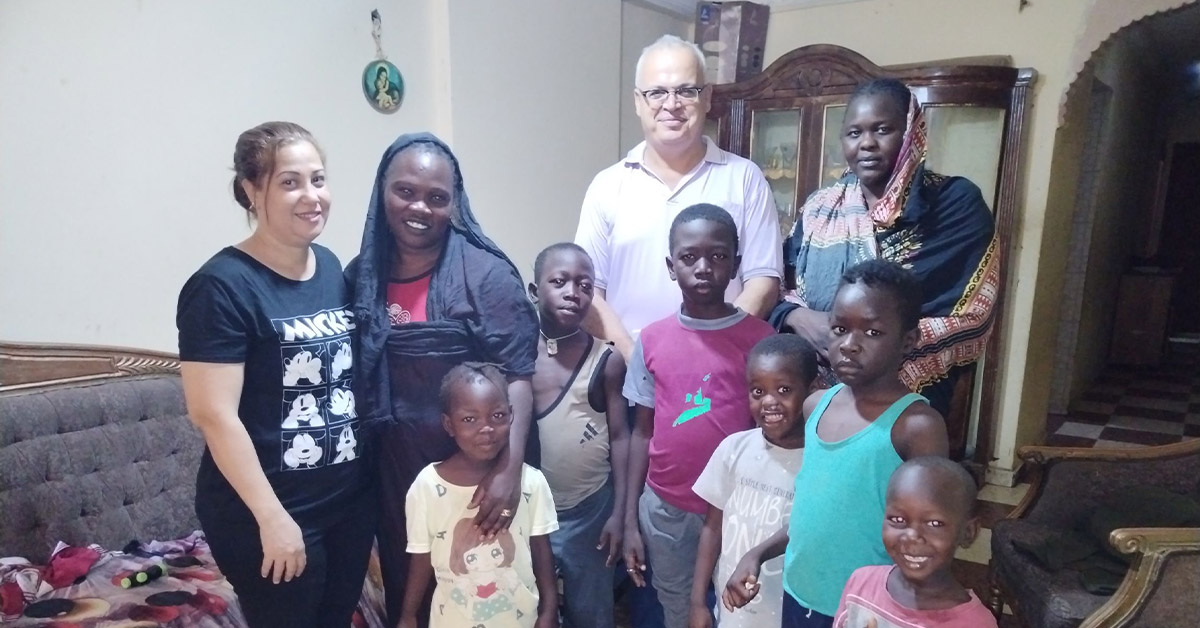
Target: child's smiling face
[(478, 419), (925, 519), (777, 392)]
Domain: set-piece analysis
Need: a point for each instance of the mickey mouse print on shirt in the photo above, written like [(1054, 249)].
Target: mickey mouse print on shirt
[(303, 410), (318, 418), (347, 445), (303, 452)]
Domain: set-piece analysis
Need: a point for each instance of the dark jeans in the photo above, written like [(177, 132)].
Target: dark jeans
[(796, 615), (328, 590), (644, 609), (586, 579)]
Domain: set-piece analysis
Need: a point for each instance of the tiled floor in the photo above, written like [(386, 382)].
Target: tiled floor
[(1134, 407)]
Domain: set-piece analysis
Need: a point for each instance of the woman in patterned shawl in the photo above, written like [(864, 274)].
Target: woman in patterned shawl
[(431, 291), (889, 205)]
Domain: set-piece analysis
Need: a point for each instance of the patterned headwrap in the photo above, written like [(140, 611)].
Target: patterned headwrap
[(913, 150)]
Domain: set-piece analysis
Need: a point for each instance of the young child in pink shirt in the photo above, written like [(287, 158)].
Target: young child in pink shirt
[(929, 513)]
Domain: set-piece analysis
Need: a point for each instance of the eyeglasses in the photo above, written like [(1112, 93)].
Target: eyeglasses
[(686, 94)]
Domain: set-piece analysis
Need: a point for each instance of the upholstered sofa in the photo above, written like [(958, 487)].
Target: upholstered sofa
[(96, 448), (1160, 588)]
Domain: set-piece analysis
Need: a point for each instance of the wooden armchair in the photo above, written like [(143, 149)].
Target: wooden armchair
[(1162, 586)]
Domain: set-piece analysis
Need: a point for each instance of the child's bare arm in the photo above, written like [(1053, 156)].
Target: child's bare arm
[(543, 574), (639, 461), (420, 572), (743, 584), (706, 560), (811, 401), (920, 431), (618, 453)]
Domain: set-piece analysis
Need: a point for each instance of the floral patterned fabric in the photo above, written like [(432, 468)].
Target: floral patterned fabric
[(192, 592)]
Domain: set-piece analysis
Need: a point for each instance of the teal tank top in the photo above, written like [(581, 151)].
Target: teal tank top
[(837, 513)]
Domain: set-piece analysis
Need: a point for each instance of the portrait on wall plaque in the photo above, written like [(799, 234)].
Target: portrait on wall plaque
[(383, 86)]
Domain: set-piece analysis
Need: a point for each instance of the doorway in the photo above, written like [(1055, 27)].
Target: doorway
[(1131, 252), (1180, 239)]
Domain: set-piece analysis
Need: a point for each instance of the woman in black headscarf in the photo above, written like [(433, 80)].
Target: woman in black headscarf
[(431, 292)]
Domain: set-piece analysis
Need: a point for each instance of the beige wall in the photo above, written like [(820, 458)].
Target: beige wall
[(535, 112), (1105, 17), (640, 27), (117, 125), (901, 31), (118, 119)]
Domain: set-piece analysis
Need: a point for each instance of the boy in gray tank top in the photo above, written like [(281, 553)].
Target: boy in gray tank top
[(584, 437)]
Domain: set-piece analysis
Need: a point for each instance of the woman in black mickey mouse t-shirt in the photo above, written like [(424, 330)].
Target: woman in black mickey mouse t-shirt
[(265, 339)]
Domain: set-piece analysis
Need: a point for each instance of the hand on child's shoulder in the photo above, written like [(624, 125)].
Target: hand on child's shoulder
[(920, 431)]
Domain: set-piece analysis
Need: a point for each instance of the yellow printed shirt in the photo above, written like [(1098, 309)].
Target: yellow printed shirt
[(480, 583)]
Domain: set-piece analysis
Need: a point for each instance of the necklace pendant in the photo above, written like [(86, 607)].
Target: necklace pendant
[(551, 346)]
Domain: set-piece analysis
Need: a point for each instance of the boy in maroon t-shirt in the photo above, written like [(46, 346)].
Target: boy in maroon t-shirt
[(687, 376)]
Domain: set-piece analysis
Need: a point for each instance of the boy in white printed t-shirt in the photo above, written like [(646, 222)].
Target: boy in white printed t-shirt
[(749, 481)]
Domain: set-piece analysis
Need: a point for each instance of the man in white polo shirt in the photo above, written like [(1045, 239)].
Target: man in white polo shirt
[(629, 206)]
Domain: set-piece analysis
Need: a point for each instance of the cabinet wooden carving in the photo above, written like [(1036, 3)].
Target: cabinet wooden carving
[(788, 118)]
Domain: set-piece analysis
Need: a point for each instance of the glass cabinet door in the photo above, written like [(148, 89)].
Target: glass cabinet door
[(774, 146), (966, 142), (833, 159)]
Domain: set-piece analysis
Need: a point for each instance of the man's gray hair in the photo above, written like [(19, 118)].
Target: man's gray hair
[(667, 42)]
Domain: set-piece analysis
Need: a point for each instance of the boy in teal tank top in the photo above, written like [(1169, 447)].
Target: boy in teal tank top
[(857, 434)]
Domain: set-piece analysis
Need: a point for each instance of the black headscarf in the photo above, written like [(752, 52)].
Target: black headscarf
[(457, 285)]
